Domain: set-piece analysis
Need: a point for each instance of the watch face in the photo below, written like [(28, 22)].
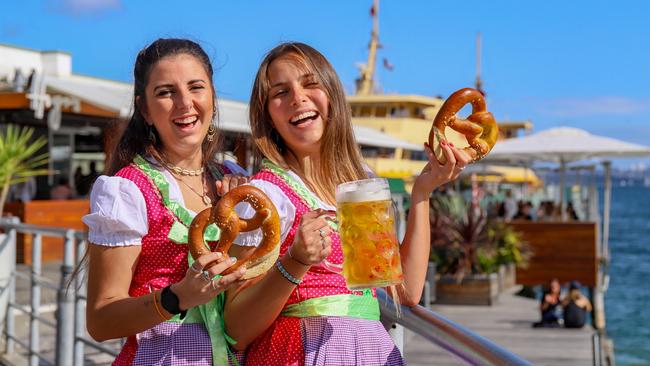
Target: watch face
[(169, 301)]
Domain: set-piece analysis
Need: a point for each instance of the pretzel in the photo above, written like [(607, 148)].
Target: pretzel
[(224, 216), (479, 128)]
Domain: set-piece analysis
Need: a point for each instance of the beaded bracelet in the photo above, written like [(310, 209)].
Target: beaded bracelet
[(286, 274)]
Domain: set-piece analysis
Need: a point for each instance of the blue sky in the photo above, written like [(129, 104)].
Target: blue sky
[(584, 64)]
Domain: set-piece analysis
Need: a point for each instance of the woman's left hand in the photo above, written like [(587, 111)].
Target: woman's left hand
[(435, 174), (230, 181)]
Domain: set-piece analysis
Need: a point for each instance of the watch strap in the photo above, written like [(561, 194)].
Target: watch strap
[(169, 301)]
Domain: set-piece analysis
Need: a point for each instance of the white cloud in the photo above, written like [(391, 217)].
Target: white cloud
[(597, 106), (84, 7)]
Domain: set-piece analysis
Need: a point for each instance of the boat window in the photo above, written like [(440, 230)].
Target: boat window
[(415, 155)]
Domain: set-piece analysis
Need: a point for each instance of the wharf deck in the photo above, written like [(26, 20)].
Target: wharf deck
[(507, 323)]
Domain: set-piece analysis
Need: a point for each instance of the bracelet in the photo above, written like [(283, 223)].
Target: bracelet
[(286, 274), (295, 259), (155, 305)]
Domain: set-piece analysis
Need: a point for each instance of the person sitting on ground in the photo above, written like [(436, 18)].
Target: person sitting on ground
[(550, 306), (576, 306)]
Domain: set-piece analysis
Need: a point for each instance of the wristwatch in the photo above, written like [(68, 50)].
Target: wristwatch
[(169, 302)]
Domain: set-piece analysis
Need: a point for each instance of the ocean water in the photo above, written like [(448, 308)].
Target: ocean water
[(627, 302)]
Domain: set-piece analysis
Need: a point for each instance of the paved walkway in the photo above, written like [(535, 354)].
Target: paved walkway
[(508, 324)]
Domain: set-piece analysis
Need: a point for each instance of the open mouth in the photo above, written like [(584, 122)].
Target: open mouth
[(304, 117), (186, 122)]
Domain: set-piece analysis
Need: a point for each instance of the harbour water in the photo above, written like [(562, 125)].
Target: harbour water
[(626, 302)]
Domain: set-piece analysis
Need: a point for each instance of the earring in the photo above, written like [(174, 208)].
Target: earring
[(211, 132), (152, 135)]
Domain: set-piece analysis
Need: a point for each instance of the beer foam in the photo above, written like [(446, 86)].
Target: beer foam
[(363, 191)]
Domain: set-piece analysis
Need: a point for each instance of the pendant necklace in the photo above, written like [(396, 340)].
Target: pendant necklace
[(204, 197)]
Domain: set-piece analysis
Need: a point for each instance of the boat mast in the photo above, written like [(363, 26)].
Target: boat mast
[(366, 83), (479, 82)]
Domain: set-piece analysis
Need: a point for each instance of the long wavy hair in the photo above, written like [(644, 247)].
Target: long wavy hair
[(340, 155), (136, 138)]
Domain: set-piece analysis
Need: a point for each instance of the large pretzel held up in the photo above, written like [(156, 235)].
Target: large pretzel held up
[(480, 129), (225, 217)]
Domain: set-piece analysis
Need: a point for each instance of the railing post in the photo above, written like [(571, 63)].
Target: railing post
[(65, 306), (80, 305), (34, 340), (8, 296)]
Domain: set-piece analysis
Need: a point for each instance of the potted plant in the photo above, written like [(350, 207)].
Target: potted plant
[(510, 252), (19, 161), (469, 248)]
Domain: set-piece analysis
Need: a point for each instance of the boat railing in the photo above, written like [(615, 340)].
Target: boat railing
[(69, 324)]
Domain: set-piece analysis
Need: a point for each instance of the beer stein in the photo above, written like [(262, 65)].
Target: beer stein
[(366, 219)]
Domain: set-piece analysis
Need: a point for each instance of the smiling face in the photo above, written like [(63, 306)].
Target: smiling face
[(179, 103), (297, 104)]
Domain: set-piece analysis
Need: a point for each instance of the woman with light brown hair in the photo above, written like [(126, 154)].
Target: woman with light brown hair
[(304, 313)]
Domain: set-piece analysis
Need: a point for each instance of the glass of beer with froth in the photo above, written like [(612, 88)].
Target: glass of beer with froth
[(366, 218)]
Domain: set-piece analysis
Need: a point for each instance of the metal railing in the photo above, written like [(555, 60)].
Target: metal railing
[(456, 339), (71, 336), (69, 323)]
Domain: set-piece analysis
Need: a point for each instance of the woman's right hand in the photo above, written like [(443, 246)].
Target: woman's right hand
[(312, 243), (197, 288)]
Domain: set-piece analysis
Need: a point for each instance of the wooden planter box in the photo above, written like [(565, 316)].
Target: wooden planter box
[(53, 213), (473, 290)]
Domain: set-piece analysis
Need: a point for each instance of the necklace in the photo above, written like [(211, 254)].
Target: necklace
[(206, 199), (183, 171)]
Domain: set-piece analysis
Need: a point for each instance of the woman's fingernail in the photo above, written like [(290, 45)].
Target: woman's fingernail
[(242, 270), (218, 254), (451, 144), (233, 260), (443, 142)]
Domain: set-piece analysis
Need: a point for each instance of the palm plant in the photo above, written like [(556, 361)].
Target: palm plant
[(19, 160), (458, 235), (464, 241)]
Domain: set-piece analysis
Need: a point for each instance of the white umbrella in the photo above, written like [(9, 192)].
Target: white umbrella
[(563, 145)]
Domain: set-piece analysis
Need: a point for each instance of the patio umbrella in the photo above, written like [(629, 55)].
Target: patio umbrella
[(563, 145)]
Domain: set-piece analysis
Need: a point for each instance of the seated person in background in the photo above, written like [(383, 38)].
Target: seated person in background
[(550, 306), (576, 306), (61, 191), (525, 211), (546, 211), (571, 212), (510, 206)]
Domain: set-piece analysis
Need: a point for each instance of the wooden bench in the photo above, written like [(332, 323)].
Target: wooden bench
[(53, 213), (563, 250)]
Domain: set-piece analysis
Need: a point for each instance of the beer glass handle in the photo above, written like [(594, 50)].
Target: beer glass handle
[(332, 267), (336, 268)]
